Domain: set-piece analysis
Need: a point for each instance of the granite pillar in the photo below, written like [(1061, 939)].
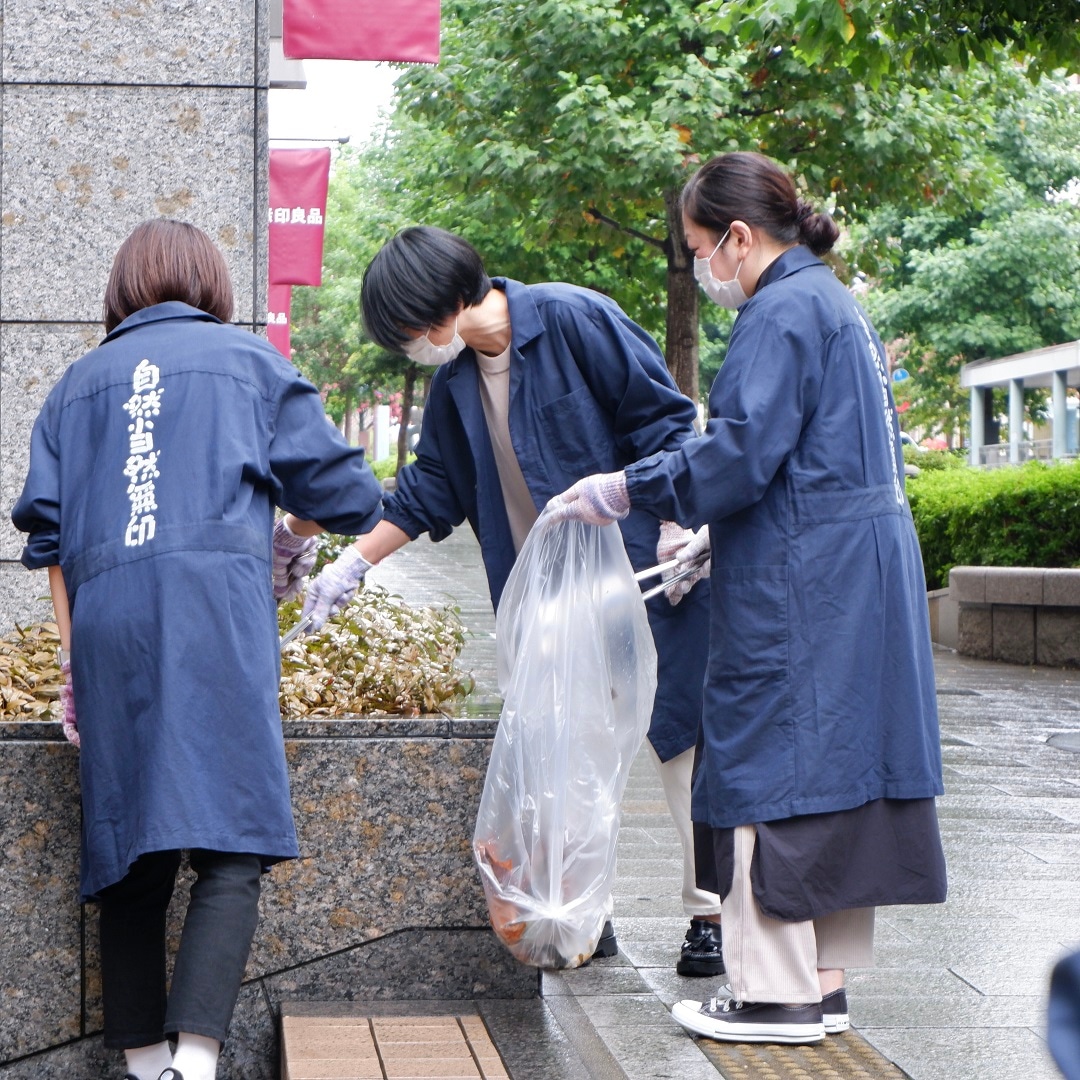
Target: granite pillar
[(112, 113)]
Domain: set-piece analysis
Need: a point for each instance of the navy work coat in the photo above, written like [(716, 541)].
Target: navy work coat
[(155, 466), (820, 692), (589, 392)]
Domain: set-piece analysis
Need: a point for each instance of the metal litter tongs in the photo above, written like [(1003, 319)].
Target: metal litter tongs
[(652, 571), (298, 629)]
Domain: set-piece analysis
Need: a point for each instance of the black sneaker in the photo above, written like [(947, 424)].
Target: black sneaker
[(834, 1012), (607, 945), (751, 1022), (171, 1074), (702, 951)]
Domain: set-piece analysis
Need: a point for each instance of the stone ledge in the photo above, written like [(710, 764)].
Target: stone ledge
[(384, 902), (1019, 615)]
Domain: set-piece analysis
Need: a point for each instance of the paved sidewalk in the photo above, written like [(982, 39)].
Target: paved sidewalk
[(959, 990)]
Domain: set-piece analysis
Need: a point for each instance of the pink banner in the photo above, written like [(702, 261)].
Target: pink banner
[(279, 303), (298, 184), (404, 30)]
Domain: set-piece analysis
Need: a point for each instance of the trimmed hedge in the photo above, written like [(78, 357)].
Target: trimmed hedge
[(1023, 516)]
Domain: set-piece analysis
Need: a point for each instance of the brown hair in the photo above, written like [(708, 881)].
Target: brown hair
[(167, 260), (753, 188)]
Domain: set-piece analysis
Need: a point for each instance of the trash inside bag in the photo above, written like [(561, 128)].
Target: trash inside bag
[(577, 674)]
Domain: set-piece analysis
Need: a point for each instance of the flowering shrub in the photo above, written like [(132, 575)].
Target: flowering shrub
[(377, 656)]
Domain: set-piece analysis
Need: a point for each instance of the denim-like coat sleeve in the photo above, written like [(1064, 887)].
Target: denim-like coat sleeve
[(319, 476), (759, 404), (37, 511)]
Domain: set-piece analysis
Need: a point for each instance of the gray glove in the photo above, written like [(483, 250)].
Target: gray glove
[(597, 500), (335, 586), (68, 722), (690, 548), (294, 556)]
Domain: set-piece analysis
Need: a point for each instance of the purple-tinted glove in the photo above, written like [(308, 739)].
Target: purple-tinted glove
[(597, 500), (673, 538), (696, 549), (294, 556), (67, 699), (335, 586)]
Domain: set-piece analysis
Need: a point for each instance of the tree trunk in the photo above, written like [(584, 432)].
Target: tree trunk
[(348, 426), (407, 396), (681, 346)]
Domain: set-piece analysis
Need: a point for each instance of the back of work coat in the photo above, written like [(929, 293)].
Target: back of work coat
[(820, 692), (155, 466), (589, 392)]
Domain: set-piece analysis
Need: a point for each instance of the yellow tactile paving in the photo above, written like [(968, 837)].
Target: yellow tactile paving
[(388, 1048), (839, 1057)]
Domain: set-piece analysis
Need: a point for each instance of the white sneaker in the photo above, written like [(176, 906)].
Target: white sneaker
[(751, 1022), (834, 1012)]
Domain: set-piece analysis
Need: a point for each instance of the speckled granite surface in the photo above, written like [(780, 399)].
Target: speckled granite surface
[(112, 113), (384, 902)]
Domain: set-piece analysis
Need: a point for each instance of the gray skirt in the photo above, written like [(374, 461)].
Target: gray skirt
[(885, 852)]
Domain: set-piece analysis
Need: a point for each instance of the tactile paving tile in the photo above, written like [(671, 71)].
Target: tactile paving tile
[(388, 1048), (839, 1057)]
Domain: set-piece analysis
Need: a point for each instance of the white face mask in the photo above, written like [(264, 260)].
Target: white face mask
[(421, 350), (729, 294)]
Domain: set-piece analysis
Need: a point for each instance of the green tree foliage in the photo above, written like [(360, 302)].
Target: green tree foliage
[(566, 129), (873, 39), (996, 279)]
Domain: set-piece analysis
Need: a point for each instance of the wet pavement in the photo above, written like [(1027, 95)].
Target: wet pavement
[(959, 990)]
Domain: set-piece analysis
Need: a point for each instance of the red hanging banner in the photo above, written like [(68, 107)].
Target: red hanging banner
[(298, 183), (279, 303), (403, 30)]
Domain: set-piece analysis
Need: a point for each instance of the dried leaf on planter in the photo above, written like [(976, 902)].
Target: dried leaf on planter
[(379, 655)]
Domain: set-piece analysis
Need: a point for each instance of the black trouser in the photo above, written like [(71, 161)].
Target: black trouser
[(210, 963)]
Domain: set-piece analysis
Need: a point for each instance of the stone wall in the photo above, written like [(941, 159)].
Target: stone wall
[(112, 112), (1022, 615), (384, 902)]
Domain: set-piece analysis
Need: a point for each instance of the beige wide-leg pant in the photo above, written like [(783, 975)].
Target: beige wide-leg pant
[(675, 775), (770, 960)]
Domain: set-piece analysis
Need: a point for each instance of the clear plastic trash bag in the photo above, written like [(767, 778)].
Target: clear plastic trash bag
[(577, 674)]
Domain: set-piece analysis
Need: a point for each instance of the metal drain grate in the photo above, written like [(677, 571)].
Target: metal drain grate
[(839, 1057)]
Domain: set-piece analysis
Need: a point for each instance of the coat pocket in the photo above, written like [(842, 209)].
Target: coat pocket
[(749, 628), (579, 434)]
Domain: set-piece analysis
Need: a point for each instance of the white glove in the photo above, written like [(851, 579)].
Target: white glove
[(335, 586), (294, 556), (67, 699), (689, 549), (597, 500)]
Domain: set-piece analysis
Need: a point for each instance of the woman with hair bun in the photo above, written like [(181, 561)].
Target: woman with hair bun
[(818, 757)]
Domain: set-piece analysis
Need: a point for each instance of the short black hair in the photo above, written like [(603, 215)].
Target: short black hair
[(419, 278)]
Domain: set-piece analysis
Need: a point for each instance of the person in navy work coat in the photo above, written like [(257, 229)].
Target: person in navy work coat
[(155, 466), (820, 755), (537, 386)]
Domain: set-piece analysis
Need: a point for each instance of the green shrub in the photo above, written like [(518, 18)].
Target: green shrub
[(387, 466), (1025, 516), (935, 460)]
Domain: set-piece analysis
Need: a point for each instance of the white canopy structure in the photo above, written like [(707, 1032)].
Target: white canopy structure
[(1057, 368)]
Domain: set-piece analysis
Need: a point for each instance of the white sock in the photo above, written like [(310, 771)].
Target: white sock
[(196, 1057), (148, 1062)]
